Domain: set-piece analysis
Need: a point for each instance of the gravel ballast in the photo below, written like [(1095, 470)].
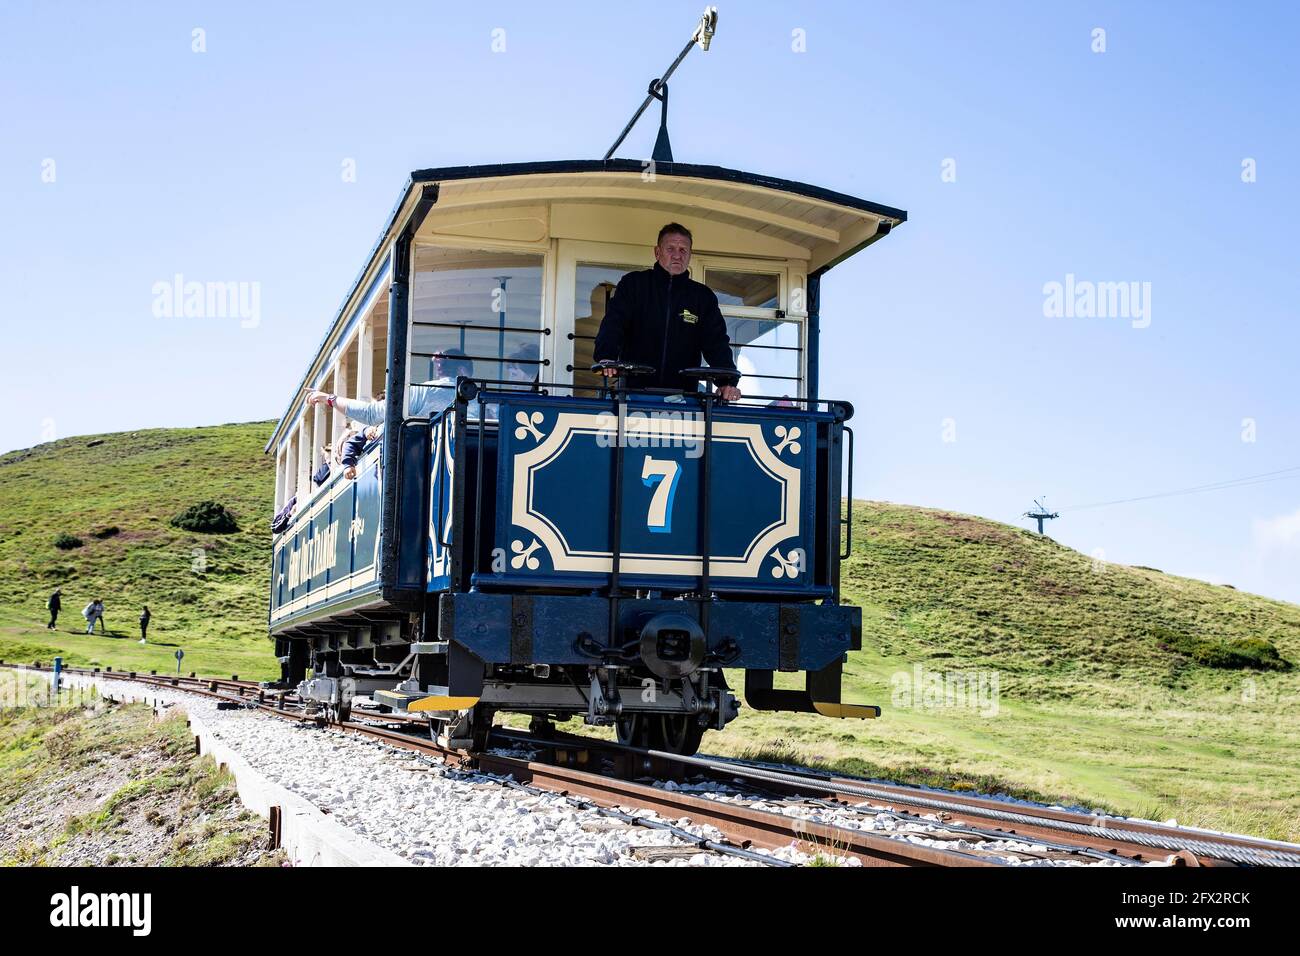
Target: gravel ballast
[(429, 813)]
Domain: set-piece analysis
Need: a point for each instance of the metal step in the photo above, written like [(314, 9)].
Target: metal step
[(411, 703)]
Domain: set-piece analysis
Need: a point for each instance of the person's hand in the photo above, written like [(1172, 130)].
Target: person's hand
[(350, 472), (729, 393), (317, 398), (372, 433), (609, 372)]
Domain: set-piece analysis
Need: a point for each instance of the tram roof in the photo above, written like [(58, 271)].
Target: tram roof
[(718, 174), (829, 225)]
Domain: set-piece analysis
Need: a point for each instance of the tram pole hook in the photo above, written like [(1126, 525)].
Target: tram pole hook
[(703, 35)]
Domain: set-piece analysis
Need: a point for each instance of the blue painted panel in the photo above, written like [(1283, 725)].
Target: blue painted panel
[(554, 495), (442, 457), (341, 520), (324, 534), (329, 553), (368, 513), (299, 580), (481, 622), (279, 576)]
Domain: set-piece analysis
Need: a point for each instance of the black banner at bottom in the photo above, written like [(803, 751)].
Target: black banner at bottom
[(136, 907)]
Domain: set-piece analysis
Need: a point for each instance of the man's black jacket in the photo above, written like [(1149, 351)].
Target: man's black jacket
[(666, 322)]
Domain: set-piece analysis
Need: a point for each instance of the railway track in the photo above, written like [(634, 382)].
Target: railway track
[(1120, 839), (762, 807)]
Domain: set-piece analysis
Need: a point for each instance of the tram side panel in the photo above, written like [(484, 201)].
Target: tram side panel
[(329, 556)]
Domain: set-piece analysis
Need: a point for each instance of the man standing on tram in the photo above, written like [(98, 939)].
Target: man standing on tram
[(663, 318)]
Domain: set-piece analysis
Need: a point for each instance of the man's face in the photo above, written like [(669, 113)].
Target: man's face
[(673, 253)]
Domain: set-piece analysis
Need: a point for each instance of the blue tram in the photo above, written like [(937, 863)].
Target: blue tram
[(529, 536)]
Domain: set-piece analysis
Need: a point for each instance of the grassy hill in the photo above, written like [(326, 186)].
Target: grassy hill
[(1003, 660), (1119, 687), (117, 494)]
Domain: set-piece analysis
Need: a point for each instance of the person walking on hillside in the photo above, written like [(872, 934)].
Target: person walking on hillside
[(144, 623), (53, 605), (94, 611)]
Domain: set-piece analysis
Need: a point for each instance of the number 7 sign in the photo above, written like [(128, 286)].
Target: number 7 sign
[(664, 473)]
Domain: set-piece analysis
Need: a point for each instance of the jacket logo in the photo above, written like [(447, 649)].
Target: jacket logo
[(689, 316)]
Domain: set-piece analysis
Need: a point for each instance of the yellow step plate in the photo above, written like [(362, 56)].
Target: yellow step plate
[(863, 711), (419, 703)]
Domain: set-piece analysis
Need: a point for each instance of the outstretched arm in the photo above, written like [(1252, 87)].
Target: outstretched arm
[(367, 413)]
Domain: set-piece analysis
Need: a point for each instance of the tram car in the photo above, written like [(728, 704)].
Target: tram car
[(529, 536)]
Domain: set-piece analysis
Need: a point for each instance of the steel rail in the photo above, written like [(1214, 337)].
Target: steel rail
[(1112, 834)]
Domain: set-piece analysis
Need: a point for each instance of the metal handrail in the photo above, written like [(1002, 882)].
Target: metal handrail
[(437, 505), (848, 538), (845, 407)]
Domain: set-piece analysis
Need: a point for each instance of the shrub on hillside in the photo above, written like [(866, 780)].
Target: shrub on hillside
[(108, 532), (66, 542), (1247, 652), (208, 517), (1261, 651)]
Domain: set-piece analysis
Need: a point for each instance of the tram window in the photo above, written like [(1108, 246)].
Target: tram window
[(595, 285), (485, 306), (768, 354), (520, 368), (758, 290), (480, 343)]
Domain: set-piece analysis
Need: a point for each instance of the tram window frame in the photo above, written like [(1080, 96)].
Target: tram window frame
[(544, 331), (585, 382), (366, 327), (574, 254), (788, 277), (569, 255)]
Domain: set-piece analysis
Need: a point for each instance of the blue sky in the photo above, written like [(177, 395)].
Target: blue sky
[(1115, 166)]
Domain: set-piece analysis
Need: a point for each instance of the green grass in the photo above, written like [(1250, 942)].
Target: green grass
[(207, 592), (40, 745), (1091, 707), (1117, 687)]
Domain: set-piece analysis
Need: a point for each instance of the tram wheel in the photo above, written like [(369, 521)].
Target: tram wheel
[(633, 730), (480, 728), (541, 728), (676, 733)]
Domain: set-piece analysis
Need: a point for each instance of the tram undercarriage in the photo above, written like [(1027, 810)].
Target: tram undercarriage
[(461, 695)]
